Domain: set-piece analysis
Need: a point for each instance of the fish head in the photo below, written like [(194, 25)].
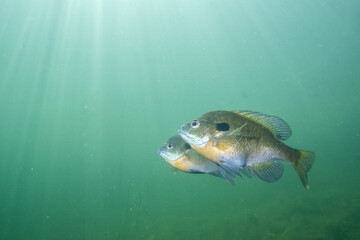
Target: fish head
[(200, 131), (174, 149)]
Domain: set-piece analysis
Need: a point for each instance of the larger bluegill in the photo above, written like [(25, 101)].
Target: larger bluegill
[(241, 139), (180, 155)]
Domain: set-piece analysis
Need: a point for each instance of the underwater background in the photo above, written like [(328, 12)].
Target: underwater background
[(90, 89)]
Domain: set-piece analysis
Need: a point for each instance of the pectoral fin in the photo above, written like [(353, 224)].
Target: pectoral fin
[(246, 172), (237, 131), (233, 169), (269, 171), (228, 176)]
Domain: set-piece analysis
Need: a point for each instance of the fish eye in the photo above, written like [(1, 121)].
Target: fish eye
[(187, 146), (222, 127), (169, 146), (195, 124)]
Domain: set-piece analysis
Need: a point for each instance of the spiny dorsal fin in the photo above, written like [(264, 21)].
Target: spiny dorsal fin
[(277, 126), (269, 171)]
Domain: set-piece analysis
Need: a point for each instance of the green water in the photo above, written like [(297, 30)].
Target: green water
[(90, 89)]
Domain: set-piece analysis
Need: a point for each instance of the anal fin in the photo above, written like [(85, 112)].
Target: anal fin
[(269, 171)]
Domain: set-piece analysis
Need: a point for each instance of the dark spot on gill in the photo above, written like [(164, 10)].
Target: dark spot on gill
[(222, 126), (187, 146)]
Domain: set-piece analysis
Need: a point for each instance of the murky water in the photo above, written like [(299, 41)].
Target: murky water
[(89, 90)]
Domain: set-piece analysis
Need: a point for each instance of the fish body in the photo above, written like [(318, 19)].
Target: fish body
[(237, 140), (180, 155)]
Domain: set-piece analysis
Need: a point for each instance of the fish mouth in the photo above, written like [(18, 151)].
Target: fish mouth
[(193, 140), (186, 136), (161, 152), (182, 133), (168, 156)]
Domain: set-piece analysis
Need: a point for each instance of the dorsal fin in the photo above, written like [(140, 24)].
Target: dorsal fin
[(277, 126)]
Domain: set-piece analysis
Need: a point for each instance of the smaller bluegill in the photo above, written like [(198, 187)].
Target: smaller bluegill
[(180, 155)]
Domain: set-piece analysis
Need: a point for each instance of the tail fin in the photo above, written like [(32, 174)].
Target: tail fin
[(303, 165)]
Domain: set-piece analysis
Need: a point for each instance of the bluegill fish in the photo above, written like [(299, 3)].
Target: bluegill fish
[(246, 139), (180, 155)]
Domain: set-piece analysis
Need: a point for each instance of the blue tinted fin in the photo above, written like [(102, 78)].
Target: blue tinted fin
[(246, 172), (230, 168), (269, 171), (216, 174), (228, 176)]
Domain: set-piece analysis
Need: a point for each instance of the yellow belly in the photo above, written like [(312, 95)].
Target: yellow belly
[(209, 151), (182, 164)]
